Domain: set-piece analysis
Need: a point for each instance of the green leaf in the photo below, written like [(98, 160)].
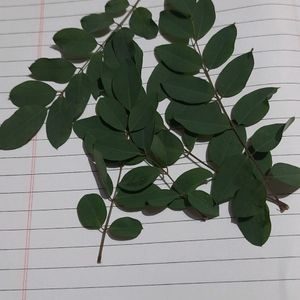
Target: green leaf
[(175, 28), (103, 175), (116, 7), (125, 229), (75, 43), (52, 69), (112, 112), (235, 172), (179, 204), (179, 58), (184, 8), (96, 24), (161, 198), (143, 138), (268, 137), (203, 203), (139, 178), (141, 115), (159, 75), (235, 75), (252, 107), (189, 139), (32, 93), (188, 89), (262, 159), (127, 85), (166, 148), (59, 123), (286, 173), (116, 147), (93, 72), (21, 127), (220, 47), (224, 145), (203, 18), (256, 229), (141, 23), (204, 119), (78, 93), (91, 211), (190, 180), (249, 200)]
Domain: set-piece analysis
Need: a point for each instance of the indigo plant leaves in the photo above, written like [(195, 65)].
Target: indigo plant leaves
[(132, 127)]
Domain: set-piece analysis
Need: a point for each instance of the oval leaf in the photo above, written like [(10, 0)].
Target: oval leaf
[(32, 93), (185, 8), (141, 23), (204, 119), (174, 28), (52, 69), (125, 229), (287, 174), (139, 178), (116, 7), (112, 112), (224, 145), (220, 47), (96, 24), (256, 229), (75, 43), (78, 93), (190, 180), (91, 211), (268, 137), (21, 127), (203, 18), (59, 123), (203, 203), (188, 89), (235, 75), (166, 148), (252, 107), (179, 58)]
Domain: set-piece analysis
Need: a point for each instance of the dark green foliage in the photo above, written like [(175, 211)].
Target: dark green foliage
[(125, 229), (131, 129), (91, 211), (235, 75), (75, 43), (59, 122), (52, 69), (32, 93), (179, 58), (95, 24), (141, 23), (220, 47), (22, 126)]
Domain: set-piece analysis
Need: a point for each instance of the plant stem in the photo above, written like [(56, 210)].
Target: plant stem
[(108, 219), (189, 153), (282, 206)]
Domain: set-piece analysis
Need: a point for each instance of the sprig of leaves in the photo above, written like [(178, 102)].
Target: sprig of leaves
[(127, 129)]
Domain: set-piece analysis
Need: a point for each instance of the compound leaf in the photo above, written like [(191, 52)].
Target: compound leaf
[(95, 24)]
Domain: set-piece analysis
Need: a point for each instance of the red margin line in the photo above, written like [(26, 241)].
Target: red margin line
[(33, 168)]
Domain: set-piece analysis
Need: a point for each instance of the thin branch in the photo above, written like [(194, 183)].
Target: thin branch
[(108, 219), (189, 153)]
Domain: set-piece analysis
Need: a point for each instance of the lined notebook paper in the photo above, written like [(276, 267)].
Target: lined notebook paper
[(44, 251)]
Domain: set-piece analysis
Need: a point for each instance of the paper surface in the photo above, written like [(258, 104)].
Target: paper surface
[(46, 254)]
